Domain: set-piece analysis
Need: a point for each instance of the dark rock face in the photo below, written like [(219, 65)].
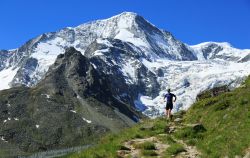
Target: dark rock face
[(24, 74), (212, 52), (186, 54), (212, 92), (160, 73), (212, 49), (112, 62), (147, 82), (150, 30), (186, 83), (245, 59), (4, 55), (72, 105)]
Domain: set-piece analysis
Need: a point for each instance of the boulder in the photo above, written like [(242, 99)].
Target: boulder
[(198, 128)]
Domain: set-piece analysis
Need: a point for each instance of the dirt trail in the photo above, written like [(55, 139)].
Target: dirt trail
[(131, 151), (191, 151), (135, 153)]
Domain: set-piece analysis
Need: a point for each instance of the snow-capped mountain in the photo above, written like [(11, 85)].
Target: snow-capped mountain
[(215, 50), (145, 59), (129, 27)]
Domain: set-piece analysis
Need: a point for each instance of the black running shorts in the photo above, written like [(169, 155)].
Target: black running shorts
[(169, 106)]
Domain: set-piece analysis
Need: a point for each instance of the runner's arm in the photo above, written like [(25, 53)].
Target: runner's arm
[(164, 97), (175, 98)]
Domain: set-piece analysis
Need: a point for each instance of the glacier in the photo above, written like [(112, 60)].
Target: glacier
[(187, 79)]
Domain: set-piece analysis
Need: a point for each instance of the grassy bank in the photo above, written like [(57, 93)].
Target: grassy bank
[(227, 122)]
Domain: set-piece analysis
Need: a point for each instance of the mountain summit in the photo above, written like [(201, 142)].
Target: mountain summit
[(39, 53)]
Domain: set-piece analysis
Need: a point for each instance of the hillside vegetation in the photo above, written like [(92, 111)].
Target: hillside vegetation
[(213, 127), (227, 121)]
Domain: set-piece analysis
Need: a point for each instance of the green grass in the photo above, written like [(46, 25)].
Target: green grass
[(174, 149), (145, 146), (149, 153), (108, 145), (167, 139), (137, 135), (190, 135), (227, 120)]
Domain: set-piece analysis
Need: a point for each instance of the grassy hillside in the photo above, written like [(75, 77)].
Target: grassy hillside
[(212, 127), (227, 121), (110, 144)]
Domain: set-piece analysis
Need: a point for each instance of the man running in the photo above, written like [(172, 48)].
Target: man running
[(169, 106)]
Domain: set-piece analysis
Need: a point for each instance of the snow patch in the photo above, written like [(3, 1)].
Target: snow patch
[(94, 65), (78, 97), (100, 52), (84, 119), (73, 111), (6, 76), (46, 54), (140, 105), (129, 71), (46, 95), (127, 36), (2, 138), (104, 41)]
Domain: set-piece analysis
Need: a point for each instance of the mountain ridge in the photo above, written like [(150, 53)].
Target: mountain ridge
[(73, 105)]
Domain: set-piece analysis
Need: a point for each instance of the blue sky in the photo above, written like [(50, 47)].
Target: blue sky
[(191, 21)]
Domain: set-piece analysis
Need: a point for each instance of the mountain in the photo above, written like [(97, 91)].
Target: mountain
[(73, 105), (136, 55), (40, 52), (224, 51), (215, 126)]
